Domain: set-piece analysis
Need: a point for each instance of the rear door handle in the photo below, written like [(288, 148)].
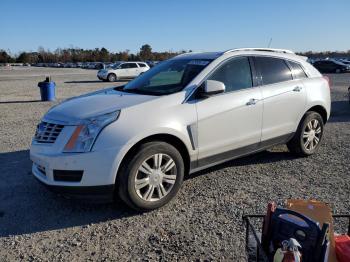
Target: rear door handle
[(252, 101), (297, 89)]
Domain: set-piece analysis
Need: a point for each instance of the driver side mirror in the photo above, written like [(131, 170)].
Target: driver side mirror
[(213, 87)]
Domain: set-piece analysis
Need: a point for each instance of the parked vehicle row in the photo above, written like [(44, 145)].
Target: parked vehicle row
[(87, 65), (332, 66), (188, 113)]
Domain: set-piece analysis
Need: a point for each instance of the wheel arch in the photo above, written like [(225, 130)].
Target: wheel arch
[(321, 110), (112, 73), (162, 137)]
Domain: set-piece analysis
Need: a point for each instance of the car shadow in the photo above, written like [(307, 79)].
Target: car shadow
[(20, 102), (95, 81), (83, 81), (28, 207), (340, 111), (263, 157)]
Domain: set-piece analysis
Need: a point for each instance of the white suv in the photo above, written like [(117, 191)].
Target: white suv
[(122, 71), (185, 114)]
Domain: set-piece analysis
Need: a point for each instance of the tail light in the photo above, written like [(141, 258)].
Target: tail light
[(328, 81)]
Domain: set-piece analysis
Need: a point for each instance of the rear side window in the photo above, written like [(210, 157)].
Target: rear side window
[(235, 74), (129, 65), (142, 65), (298, 71), (273, 70)]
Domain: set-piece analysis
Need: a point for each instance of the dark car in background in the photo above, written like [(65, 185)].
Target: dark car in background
[(331, 66)]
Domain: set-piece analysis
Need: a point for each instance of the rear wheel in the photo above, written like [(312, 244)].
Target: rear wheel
[(112, 77), (151, 177), (308, 137)]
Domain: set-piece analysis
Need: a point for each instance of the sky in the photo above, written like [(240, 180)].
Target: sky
[(198, 25)]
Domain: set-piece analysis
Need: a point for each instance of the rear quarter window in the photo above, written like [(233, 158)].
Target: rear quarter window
[(297, 70), (273, 70)]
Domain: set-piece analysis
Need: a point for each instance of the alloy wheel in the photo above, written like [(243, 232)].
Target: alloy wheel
[(312, 134), (155, 177)]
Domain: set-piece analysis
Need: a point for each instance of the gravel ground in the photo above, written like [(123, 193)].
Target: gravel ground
[(202, 223)]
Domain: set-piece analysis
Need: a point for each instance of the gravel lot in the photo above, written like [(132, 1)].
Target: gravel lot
[(202, 223)]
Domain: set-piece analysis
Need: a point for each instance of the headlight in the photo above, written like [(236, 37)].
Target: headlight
[(85, 134)]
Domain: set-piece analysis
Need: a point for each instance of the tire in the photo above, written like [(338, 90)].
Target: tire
[(112, 77), (139, 174), (308, 137)]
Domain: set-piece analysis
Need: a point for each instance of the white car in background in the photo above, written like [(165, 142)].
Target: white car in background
[(122, 70)]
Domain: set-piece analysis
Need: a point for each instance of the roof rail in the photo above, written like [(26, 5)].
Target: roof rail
[(261, 49)]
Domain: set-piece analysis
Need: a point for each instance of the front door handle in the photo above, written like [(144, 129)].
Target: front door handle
[(252, 101), (297, 89)]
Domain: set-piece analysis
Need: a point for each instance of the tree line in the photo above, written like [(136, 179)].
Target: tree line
[(86, 55), (325, 54), (103, 55)]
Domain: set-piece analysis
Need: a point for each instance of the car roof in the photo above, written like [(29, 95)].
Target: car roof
[(133, 62), (200, 55), (284, 53)]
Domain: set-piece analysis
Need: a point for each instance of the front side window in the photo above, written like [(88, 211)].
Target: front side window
[(133, 65), (142, 65), (273, 70), (124, 66), (235, 74), (167, 77)]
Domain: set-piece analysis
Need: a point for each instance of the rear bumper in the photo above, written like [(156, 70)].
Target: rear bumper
[(96, 194)]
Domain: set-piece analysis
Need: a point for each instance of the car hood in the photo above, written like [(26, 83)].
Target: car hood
[(73, 110)]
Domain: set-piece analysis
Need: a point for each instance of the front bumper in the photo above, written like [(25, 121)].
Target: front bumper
[(90, 193), (102, 76), (98, 172)]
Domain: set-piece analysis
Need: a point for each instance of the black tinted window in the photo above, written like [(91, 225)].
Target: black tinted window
[(235, 74), (298, 71), (124, 66), (133, 65), (142, 65), (273, 70)]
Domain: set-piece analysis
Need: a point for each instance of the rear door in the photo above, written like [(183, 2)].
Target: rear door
[(133, 70), (142, 68), (284, 98)]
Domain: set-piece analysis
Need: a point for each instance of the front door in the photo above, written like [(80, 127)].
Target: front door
[(124, 70), (229, 124)]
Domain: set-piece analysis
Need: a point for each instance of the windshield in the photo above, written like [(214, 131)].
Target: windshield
[(114, 66), (168, 77)]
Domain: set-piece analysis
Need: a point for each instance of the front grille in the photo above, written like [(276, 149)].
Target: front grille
[(68, 175), (47, 132)]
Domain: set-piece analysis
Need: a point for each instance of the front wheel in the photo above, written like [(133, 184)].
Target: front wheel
[(112, 77), (308, 137), (152, 177)]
